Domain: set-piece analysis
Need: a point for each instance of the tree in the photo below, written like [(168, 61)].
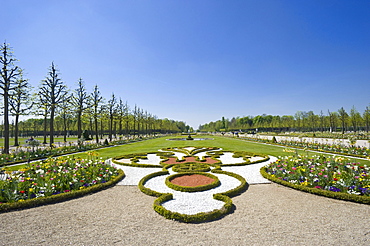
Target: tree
[(366, 117), (9, 73), (80, 102), (355, 118), (20, 102), (65, 114), (52, 92), (343, 116), (121, 109), (332, 120), (112, 112), (96, 100)]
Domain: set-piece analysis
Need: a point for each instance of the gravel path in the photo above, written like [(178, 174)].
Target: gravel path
[(266, 214)]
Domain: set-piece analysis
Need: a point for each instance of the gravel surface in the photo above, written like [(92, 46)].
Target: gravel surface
[(266, 214)]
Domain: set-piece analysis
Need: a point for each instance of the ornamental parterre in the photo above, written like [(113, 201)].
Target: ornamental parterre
[(185, 201)]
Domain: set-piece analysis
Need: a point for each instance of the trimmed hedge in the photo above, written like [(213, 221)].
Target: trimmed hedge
[(134, 159), (202, 167), (320, 192), (34, 202), (236, 191), (193, 218), (199, 217), (146, 190), (212, 185)]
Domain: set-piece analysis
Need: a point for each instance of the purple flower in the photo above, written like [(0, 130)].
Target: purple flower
[(335, 189)]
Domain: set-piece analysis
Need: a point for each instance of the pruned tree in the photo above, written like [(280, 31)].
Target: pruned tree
[(355, 118), (20, 102), (80, 102), (343, 116), (366, 117), (65, 113), (111, 107), (121, 110), (9, 73), (52, 92), (96, 100)]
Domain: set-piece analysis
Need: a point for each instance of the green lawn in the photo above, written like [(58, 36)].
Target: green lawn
[(231, 144)]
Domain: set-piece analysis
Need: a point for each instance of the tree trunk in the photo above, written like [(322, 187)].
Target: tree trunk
[(79, 125), (16, 142), (96, 130), (45, 119), (6, 122), (52, 127)]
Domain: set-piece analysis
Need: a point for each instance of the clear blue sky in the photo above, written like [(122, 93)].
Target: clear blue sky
[(197, 61)]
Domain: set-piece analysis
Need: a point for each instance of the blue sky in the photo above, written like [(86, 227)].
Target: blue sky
[(197, 61)]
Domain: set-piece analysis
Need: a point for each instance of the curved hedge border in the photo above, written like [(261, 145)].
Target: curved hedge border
[(177, 167), (34, 202), (237, 190), (135, 158), (320, 192), (146, 190), (199, 217), (193, 218), (212, 185)]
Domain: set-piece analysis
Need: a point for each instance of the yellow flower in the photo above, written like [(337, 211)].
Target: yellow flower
[(30, 189)]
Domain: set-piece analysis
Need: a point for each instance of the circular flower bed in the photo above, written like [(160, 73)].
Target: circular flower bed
[(192, 182)]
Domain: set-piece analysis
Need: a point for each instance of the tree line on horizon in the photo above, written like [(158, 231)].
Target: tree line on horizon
[(338, 121), (60, 111)]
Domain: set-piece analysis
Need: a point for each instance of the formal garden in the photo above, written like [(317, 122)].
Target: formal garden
[(193, 181)]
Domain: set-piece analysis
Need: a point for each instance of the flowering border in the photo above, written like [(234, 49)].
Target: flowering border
[(320, 192), (35, 202)]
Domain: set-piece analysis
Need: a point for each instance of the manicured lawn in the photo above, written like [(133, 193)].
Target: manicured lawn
[(232, 144)]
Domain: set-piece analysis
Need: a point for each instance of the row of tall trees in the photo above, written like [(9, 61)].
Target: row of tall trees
[(64, 112), (340, 120)]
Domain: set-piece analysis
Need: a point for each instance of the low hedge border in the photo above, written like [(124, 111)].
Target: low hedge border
[(212, 185), (326, 193), (35, 202), (135, 158), (248, 162), (199, 217), (146, 190), (237, 190), (203, 167), (193, 218)]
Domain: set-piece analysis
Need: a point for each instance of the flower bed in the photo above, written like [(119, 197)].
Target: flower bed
[(185, 181), (330, 176), (56, 177)]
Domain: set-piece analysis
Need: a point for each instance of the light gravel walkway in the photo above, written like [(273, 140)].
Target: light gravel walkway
[(266, 214)]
